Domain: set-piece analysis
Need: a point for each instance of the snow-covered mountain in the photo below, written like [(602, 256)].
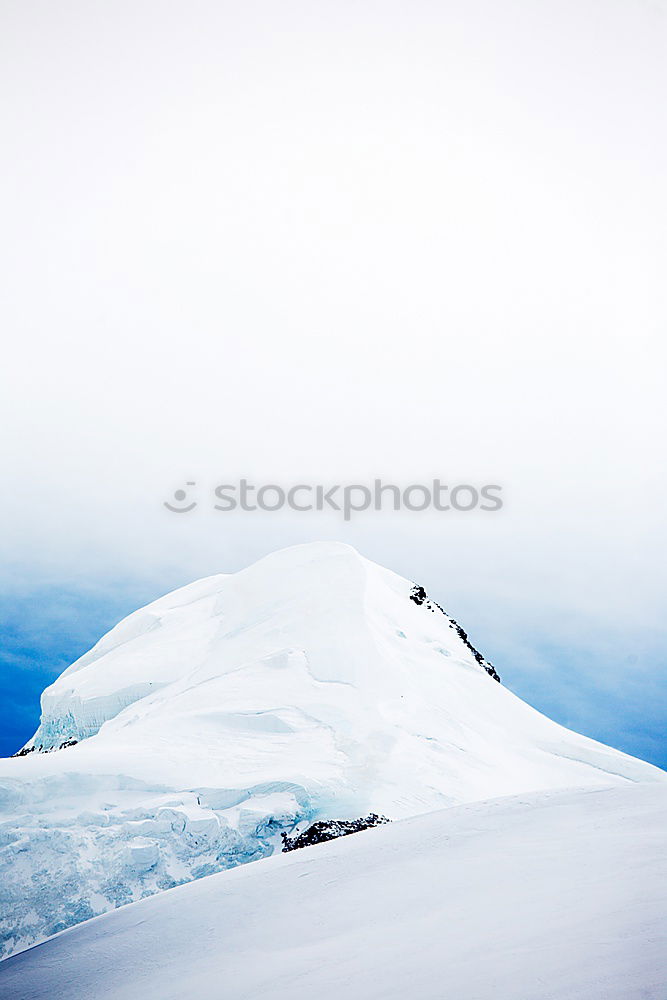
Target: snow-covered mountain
[(312, 685), (556, 895)]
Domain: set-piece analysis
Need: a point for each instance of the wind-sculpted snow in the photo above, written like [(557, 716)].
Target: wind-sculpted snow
[(549, 896), (308, 687)]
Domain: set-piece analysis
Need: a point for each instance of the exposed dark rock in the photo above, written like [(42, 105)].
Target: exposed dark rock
[(418, 594), (420, 597), (24, 751), (330, 829), (68, 743)]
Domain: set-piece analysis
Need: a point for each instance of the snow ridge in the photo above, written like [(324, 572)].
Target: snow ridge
[(420, 597), (313, 686), (571, 884)]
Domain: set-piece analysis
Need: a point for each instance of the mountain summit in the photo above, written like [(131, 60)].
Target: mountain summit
[(313, 685)]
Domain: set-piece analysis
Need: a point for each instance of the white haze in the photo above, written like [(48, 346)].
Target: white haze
[(328, 242)]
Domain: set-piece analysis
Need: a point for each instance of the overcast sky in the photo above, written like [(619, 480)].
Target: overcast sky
[(324, 242)]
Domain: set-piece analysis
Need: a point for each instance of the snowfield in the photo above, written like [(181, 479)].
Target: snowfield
[(313, 685), (549, 896)]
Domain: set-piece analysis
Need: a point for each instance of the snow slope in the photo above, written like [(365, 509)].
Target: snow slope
[(552, 896), (312, 685)]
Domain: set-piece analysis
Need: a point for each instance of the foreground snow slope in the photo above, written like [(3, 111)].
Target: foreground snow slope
[(312, 685), (553, 896)]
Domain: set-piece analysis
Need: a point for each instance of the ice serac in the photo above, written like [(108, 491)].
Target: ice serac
[(314, 685), (556, 895)]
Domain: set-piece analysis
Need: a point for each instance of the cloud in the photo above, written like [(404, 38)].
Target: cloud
[(307, 243)]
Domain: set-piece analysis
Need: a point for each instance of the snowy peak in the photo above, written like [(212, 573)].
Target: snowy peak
[(323, 598), (314, 687)]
